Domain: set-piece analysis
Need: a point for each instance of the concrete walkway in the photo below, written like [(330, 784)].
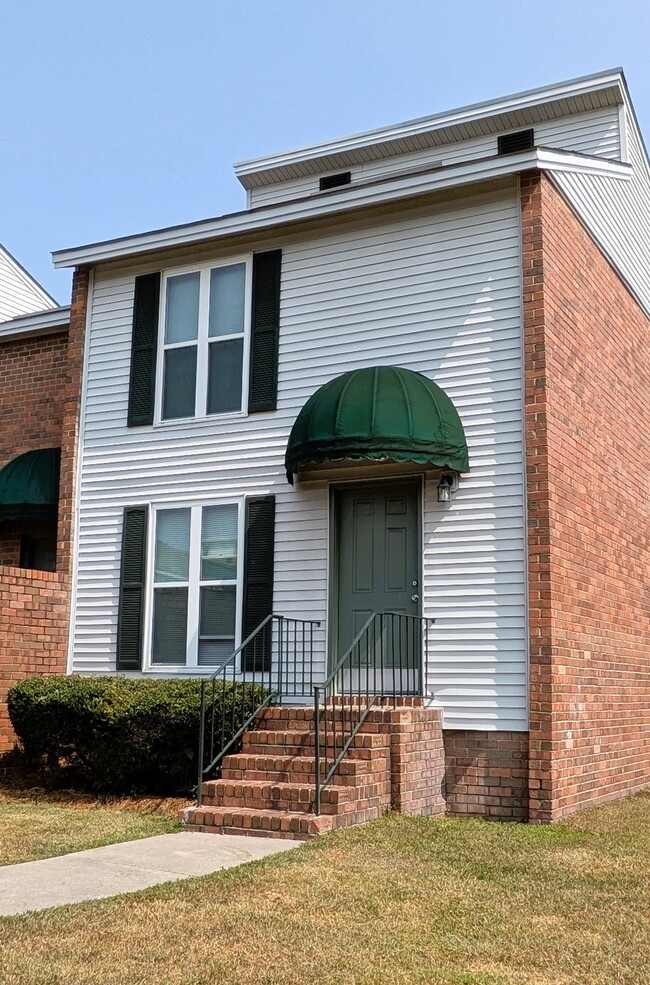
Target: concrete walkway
[(126, 867)]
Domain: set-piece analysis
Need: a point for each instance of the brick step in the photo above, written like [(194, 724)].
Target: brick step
[(264, 823), (287, 717), (278, 742), (272, 823), (289, 769), (263, 794)]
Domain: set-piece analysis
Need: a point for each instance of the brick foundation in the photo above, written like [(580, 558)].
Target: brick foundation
[(587, 379), (486, 774)]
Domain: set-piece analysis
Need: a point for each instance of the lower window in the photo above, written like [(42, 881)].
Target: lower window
[(196, 585)]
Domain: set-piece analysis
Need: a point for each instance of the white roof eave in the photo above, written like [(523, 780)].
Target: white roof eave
[(348, 199), (36, 323), (250, 172)]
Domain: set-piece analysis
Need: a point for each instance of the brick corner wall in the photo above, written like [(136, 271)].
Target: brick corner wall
[(587, 379)]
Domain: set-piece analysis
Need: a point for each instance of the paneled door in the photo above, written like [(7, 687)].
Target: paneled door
[(377, 569)]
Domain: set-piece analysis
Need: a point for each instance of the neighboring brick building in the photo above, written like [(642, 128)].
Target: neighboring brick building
[(491, 265), (35, 554)]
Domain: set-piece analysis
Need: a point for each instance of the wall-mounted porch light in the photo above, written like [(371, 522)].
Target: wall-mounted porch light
[(445, 487)]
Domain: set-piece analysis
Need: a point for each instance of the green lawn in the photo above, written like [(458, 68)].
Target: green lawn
[(401, 900), (40, 825)]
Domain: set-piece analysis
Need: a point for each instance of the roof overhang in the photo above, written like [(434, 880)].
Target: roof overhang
[(346, 200), (524, 109), (37, 323)]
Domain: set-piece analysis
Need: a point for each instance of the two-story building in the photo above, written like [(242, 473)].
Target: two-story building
[(411, 376)]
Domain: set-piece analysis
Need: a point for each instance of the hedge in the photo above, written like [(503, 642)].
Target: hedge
[(122, 735)]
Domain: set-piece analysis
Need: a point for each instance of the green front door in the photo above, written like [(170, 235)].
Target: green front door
[(378, 570)]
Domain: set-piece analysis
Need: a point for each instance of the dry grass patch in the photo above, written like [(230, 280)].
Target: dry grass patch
[(398, 901), (37, 823)]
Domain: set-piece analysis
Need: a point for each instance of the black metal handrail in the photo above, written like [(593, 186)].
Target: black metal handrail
[(385, 660), (273, 663)]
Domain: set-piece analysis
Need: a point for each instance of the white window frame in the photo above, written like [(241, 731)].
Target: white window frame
[(194, 585), (203, 341)]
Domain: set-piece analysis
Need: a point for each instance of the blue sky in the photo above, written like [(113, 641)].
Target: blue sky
[(124, 116)]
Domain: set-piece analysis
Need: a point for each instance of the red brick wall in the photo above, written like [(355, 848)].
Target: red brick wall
[(33, 376), (40, 392), (417, 761), (486, 774), (33, 631), (587, 364), (33, 605)]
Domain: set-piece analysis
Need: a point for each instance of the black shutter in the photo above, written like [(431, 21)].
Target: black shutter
[(258, 578), (263, 392), (132, 578), (143, 349)]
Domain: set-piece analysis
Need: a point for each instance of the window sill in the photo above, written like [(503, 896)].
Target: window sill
[(188, 422), (176, 670)]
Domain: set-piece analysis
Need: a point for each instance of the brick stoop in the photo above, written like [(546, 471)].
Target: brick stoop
[(267, 789)]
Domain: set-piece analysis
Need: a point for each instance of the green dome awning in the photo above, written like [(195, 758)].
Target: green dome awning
[(29, 486), (382, 413)]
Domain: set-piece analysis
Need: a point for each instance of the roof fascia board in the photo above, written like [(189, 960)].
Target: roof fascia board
[(357, 197), (550, 159), (467, 114), (39, 323)]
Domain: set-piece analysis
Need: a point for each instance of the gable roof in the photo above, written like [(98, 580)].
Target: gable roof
[(20, 293)]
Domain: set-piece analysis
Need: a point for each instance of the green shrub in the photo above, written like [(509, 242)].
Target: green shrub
[(124, 735)]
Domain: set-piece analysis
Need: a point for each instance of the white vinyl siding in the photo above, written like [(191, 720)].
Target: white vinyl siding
[(19, 293), (588, 133), (436, 290), (617, 214)]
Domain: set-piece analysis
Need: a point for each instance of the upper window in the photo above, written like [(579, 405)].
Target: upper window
[(205, 321)]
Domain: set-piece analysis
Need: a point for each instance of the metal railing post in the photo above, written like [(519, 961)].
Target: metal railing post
[(199, 792), (317, 749), (280, 648)]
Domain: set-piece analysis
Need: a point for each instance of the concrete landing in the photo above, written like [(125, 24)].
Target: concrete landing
[(98, 873)]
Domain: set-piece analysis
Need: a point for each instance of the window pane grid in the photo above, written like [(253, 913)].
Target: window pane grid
[(203, 309), (195, 615)]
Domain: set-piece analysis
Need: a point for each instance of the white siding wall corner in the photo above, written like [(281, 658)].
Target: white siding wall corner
[(595, 133), (617, 213), (436, 291)]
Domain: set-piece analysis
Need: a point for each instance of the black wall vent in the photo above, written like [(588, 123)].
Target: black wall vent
[(509, 143), (335, 180)]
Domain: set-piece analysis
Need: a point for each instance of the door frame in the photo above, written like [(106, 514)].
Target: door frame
[(416, 480)]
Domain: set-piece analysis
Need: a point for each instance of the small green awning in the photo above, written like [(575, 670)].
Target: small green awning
[(29, 486), (382, 413)]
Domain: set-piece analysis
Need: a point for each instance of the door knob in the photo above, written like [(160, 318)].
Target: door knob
[(414, 598)]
